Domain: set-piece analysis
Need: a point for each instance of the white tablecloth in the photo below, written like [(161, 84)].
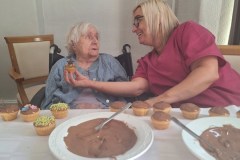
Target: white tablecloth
[(18, 139)]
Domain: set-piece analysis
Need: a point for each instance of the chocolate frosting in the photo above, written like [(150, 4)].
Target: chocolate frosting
[(161, 105), (117, 104), (140, 104), (113, 139), (219, 110), (223, 142), (162, 116), (30, 111), (9, 109)]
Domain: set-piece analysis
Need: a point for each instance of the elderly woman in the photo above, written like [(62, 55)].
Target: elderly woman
[(83, 46), (184, 65)]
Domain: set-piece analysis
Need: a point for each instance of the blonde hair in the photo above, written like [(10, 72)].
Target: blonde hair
[(75, 32), (160, 19)]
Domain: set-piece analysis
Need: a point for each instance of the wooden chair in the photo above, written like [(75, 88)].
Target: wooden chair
[(232, 55), (30, 64)]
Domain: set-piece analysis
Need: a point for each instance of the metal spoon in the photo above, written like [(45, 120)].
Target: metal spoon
[(100, 126)]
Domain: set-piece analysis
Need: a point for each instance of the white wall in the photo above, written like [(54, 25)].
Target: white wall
[(187, 9), (216, 15), (112, 17)]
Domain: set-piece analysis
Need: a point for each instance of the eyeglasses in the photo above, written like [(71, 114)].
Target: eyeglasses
[(137, 20), (90, 37)]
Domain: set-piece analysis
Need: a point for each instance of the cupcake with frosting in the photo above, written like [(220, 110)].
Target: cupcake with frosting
[(238, 114), (44, 125), (162, 106), (160, 120), (70, 66), (218, 111), (116, 106), (29, 112), (9, 112), (190, 110), (59, 110), (140, 108)]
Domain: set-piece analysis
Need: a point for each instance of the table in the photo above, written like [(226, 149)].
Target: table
[(18, 139)]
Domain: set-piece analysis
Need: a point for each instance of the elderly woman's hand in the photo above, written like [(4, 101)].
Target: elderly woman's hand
[(76, 79)]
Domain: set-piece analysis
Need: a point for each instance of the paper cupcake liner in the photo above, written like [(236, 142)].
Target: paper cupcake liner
[(140, 111), (29, 117), (116, 109), (190, 115), (60, 114), (9, 116), (161, 125), (45, 131)]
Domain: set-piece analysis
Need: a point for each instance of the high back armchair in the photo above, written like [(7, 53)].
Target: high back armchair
[(125, 59), (30, 64), (232, 55)]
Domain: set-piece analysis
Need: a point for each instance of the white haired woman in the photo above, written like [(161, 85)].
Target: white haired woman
[(184, 65), (83, 47)]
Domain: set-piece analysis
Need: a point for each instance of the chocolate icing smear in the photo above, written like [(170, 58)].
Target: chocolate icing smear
[(115, 138), (224, 141)]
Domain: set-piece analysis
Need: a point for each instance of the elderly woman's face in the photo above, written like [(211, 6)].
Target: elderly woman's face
[(88, 44), (140, 28)]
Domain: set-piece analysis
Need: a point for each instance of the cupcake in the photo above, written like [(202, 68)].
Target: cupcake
[(44, 125), (9, 112), (189, 110), (218, 111), (238, 114), (162, 106), (59, 110), (160, 120), (116, 106), (140, 108), (29, 112), (70, 66)]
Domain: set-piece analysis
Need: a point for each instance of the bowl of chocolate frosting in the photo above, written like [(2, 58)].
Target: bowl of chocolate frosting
[(122, 138)]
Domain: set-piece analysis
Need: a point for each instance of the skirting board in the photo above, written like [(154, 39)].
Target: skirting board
[(8, 101)]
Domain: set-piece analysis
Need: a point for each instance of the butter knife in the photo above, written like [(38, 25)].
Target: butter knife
[(99, 127), (185, 128), (192, 133)]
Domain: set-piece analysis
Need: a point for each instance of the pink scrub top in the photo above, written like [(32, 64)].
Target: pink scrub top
[(188, 43)]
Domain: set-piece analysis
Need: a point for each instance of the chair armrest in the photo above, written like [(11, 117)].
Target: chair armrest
[(16, 76)]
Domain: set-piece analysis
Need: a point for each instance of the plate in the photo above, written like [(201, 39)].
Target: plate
[(200, 125), (142, 130)]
